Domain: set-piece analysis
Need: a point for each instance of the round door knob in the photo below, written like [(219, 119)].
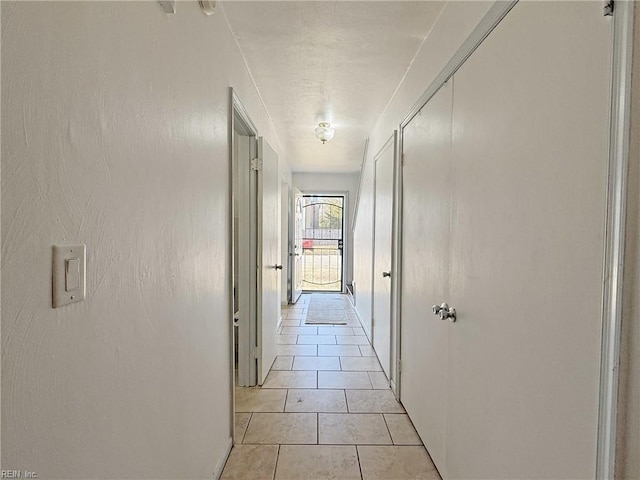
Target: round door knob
[(436, 309), (448, 314), (278, 267), (386, 274)]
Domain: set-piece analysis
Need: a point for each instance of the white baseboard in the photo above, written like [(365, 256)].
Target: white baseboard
[(217, 473), (366, 330)]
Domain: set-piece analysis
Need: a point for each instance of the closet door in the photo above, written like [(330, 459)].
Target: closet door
[(530, 129), (425, 269), (382, 257)]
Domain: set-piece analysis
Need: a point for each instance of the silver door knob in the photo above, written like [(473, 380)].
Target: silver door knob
[(445, 312), (386, 274), (278, 267)]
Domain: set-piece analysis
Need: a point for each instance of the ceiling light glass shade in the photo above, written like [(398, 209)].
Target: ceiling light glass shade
[(324, 132)]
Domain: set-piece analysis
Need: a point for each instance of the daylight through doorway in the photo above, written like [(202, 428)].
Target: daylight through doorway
[(322, 243)]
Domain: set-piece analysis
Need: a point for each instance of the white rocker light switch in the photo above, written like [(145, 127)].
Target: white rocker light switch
[(69, 272)]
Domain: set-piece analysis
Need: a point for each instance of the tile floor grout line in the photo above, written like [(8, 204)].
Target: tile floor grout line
[(275, 469), (244, 434), (388, 429), (359, 464), (286, 397), (346, 400)]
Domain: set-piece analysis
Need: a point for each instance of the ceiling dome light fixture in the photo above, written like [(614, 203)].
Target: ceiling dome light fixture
[(324, 132)]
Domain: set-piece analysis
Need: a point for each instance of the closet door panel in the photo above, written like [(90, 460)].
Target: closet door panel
[(425, 271), (530, 130)]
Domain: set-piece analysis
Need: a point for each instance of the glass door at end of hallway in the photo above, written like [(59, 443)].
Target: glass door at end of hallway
[(322, 243)]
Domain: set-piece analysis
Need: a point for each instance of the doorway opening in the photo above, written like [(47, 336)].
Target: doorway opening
[(322, 243), (256, 266), (244, 204)]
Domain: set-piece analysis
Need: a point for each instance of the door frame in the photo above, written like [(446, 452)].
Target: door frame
[(294, 257), (394, 341), (240, 121), (615, 223), (345, 237)]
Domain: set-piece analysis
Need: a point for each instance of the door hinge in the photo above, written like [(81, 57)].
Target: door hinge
[(608, 8), (257, 352), (256, 164), (399, 366)]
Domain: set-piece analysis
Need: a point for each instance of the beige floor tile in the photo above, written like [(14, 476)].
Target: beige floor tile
[(373, 401), (286, 379), (367, 351), (316, 339), (316, 363), (279, 428), (251, 462), (282, 363), (313, 400), (352, 380), (300, 330), (398, 463), (315, 462), (352, 322), (241, 422), (309, 350), (335, 330), (287, 339), (297, 316), (296, 309), (255, 399), (352, 429), (290, 323), (360, 364), (339, 350), (401, 429), (352, 340), (358, 331), (379, 380)]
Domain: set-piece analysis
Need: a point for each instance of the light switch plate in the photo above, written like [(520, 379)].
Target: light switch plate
[(69, 274)]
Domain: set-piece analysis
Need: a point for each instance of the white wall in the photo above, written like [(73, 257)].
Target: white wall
[(454, 25), (363, 246), (333, 183), (285, 207), (115, 134)]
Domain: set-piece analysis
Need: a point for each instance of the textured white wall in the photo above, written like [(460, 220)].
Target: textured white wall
[(363, 246), (115, 134), (332, 183), (454, 25)]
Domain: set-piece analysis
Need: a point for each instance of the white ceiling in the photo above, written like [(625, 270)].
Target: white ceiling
[(339, 62)]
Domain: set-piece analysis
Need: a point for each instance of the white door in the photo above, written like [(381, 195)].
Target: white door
[(507, 226), (268, 256), (530, 123), (426, 213), (382, 259), (297, 246)]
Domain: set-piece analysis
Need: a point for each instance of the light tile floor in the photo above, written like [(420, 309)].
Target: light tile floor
[(325, 410)]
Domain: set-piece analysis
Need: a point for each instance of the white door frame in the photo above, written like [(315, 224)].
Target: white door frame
[(296, 256), (392, 142), (345, 234), (615, 221), (247, 277)]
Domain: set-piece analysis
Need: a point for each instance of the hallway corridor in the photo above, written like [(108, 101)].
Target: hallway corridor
[(325, 410)]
